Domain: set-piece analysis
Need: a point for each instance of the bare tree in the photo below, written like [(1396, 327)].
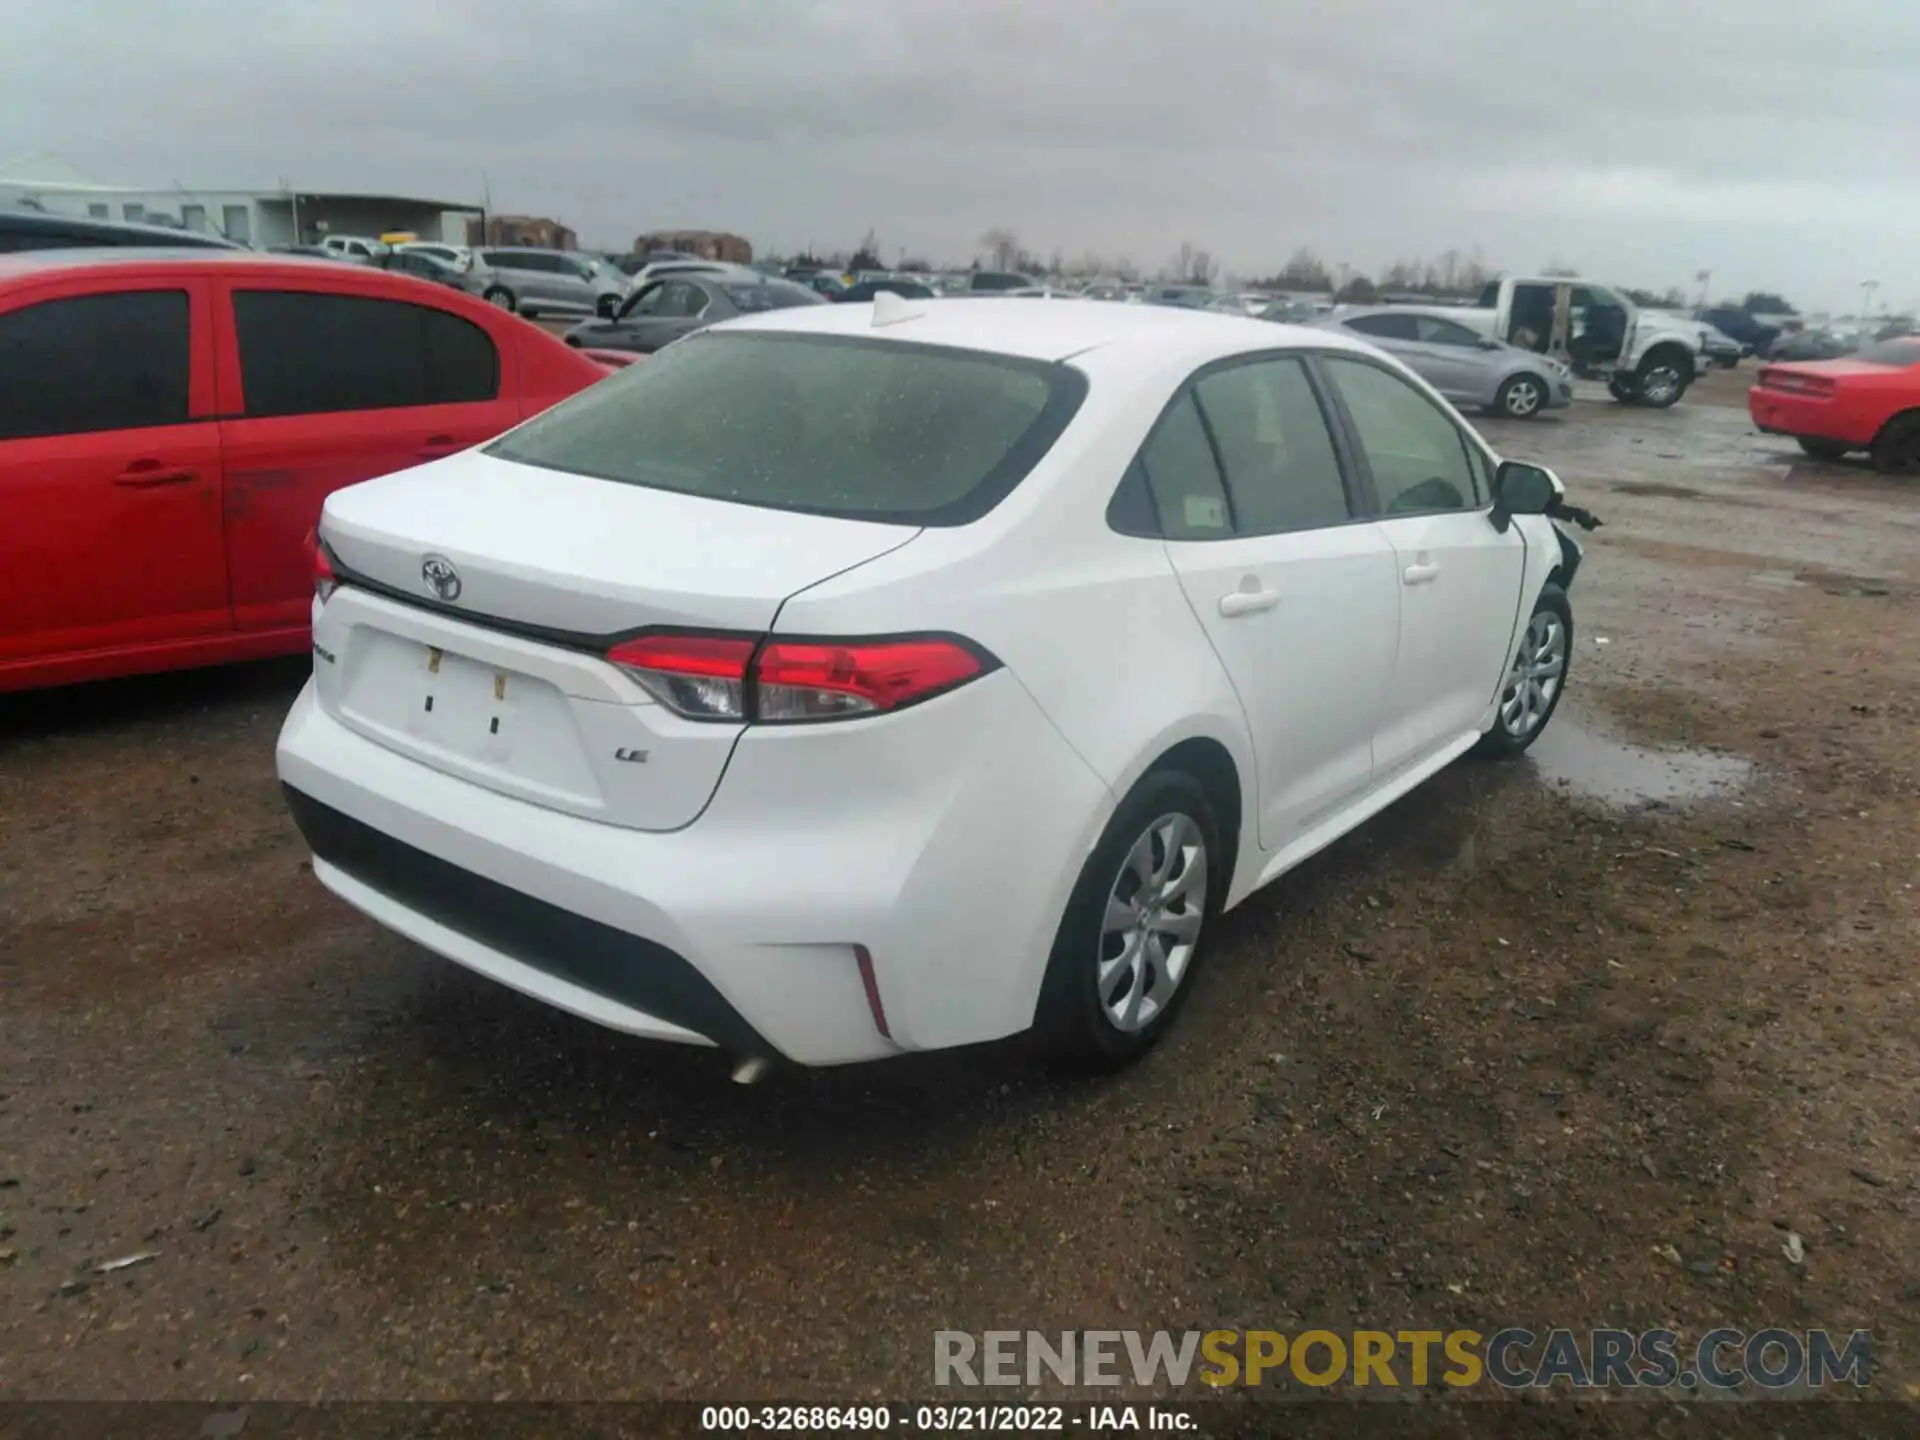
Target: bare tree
[(1402, 275), (1002, 246), (1449, 270), (1357, 291), (867, 257)]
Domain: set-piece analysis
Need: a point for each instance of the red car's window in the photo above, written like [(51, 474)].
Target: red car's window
[(303, 353), (95, 362)]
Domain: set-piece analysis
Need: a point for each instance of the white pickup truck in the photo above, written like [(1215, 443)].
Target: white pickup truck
[(1646, 358)]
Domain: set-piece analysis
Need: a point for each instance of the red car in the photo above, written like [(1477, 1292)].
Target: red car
[(1868, 401), (170, 423)]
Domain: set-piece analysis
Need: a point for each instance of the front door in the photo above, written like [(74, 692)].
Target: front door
[(1459, 578), (1297, 597), (331, 389), (110, 470)]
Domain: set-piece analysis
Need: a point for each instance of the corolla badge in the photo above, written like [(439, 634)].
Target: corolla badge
[(440, 576)]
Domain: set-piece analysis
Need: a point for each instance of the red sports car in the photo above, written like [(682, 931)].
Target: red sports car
[(1868, 401), (171, 421)]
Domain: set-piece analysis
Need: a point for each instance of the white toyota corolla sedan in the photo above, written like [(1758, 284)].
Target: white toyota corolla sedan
[(854, 680)]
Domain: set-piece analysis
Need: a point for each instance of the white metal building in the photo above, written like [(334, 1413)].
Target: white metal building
[(255, 217)]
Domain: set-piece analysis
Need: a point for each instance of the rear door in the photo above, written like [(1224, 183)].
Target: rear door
[(327, 387), (1295, 590), (1459, 578), (110, 474), (1399, 335)]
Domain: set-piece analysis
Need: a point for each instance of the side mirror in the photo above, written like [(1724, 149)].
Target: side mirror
[(1523, 489)]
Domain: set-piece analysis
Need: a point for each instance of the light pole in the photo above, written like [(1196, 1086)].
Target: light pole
[(1867, 287)]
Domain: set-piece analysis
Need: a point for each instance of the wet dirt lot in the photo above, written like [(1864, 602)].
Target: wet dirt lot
[(1574, 1041)]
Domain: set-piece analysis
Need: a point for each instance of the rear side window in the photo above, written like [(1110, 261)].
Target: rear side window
[(95, 362), (1183, 477), (845, 426), (303, 353), (1273, 441), (776, 295)]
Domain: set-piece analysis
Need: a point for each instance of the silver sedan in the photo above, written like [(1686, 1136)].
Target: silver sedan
[(1460, 362)]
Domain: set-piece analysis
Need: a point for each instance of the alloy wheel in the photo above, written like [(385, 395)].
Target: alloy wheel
[(1523, 398), (1152, 923), (1536, 675), (1661, 385)]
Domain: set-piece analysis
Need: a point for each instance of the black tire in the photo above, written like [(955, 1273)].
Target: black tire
[(1509, 736), (1622, 390), (1663, 377), (501, 297), (1823, 449), (1728, 362), (1072, 1020), (1529, 392), (1896, 449)]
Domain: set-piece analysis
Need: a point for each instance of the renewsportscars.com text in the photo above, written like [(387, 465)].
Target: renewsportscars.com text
[(1770, 1360)]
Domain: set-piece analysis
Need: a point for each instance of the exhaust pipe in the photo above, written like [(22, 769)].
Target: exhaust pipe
[(751, 1070)]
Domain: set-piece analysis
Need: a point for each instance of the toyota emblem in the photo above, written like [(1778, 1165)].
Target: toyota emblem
[(440, 576)]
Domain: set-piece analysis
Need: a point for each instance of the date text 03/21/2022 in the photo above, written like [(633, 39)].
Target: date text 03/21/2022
[(946, 1419)]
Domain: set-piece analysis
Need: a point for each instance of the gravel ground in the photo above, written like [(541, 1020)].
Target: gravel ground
[(1481, 1063)]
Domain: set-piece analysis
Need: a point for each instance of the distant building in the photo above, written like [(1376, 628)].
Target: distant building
[(707, 244), (253, 217), (533, 230)]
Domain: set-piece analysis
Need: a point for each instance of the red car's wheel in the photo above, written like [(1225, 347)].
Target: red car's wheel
[(1896, 451)]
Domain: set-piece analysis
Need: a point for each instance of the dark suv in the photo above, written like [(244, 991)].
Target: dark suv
[(1736, 324)]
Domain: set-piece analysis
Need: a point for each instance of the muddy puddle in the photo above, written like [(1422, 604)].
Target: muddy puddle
[(1583, 762)]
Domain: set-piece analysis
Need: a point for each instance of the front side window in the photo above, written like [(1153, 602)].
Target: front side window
[(681, 300), (1431, 330), (1417, 455), (864, 429), (1383, 327), (1272, 438), (306, 353), (95, 362)]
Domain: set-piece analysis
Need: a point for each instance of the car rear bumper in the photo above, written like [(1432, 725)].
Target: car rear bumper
[(1808, 417), (943, 841)]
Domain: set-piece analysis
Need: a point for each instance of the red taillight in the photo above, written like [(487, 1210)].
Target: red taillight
[(729, 677), (824, 680), (325, 582), (1794, 382)]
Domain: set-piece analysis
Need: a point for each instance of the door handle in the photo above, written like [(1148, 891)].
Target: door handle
[(1420, 574), (1248, 602), (148, 474)]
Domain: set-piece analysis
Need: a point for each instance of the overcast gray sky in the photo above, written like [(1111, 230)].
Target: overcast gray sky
[(1639, 140)]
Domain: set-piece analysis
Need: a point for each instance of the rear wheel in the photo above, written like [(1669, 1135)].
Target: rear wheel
[(1823, 449), (500, 298), (1129, 943), (1536, 679), (1897, 449), (1521, 398)]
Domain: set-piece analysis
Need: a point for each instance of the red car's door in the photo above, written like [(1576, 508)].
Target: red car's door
[(332, 381), (110, 471)]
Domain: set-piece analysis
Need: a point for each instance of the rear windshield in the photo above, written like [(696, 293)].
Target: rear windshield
[(1905, 351), (851, 427)]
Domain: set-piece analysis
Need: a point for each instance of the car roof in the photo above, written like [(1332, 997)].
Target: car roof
[(21, 263), (1039, 329)]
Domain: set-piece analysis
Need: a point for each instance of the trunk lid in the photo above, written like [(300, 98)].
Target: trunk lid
[(498, 675)]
